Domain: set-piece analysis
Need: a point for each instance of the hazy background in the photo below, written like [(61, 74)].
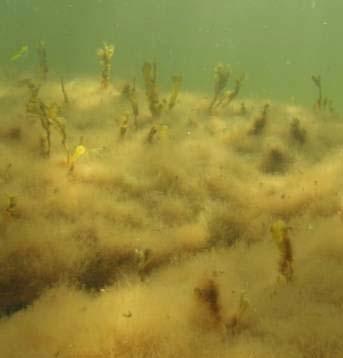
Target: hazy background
[(279, 44)]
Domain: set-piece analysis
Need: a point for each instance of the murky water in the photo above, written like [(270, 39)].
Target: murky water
[(171, 179), (279, 45)]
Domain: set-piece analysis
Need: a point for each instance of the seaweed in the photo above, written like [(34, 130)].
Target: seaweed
[(124, 125), (235, 321), (321, 103), (105, 54), (32, 105), (11, 210), (64, 92), (275, 160), (152, 135), (151, 89), (318, 83), (129, 92), (156, 104), (8, 214), (229, 96), (79, 151), (260, 122), (297, 132), (53, 112), (279, 231), (176, 86), (208, 296), (20, 53), (221, 78), (49, 115), (45, 123), (43, 60)]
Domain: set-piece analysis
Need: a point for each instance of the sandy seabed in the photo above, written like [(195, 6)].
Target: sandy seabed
[(159, 244)]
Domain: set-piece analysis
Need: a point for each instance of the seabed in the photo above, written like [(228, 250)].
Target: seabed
[(142, 223)]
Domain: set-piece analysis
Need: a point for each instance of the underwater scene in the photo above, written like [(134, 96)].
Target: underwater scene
[(171, 179)]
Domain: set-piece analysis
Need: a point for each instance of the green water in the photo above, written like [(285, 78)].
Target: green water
[(279, 44)]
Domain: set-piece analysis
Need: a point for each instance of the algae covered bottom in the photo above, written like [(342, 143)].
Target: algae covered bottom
[(114, 201), (157, 202)]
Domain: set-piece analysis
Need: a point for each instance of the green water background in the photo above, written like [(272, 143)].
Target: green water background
[(279, 44)]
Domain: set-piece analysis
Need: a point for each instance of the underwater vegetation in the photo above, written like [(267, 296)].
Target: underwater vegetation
[(208, 296), (43, 60), (32, 105), (22, 51), (322, 103), (78, 152), (175, 91), (105, 54), (151, 89), (280, 235), (221, 78), (64, 92), (260, 122), (129, 92), (222, 98), (156, 104), (229, 96), (144, 222), (10, 210), (297, 132), (50, 117)]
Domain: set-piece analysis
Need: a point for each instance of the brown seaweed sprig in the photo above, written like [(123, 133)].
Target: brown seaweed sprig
[(43, 60), (151, 89), (32, 105), (235, 321), (297, 133), (129, 92), (11, 210), (322, 103), (279, 231), (221, 78), (124, 125), (318, 83), (64, 92), (208, 297), (260, 122), (55, 118), (159, 105), (229, 96), (175, 91), (152, 135), (46, 124), (105, 54), (49, 116)]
